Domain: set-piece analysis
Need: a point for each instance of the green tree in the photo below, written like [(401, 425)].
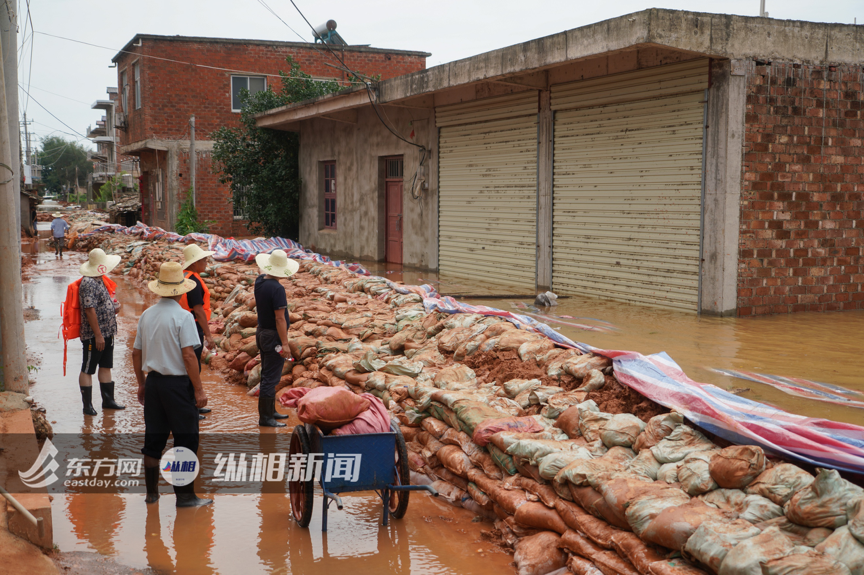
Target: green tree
[(260, 164), (59, 158)]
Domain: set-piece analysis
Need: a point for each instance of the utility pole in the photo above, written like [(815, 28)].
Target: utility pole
[(762, 12), (29, 161), (13, 358), (192, 159)]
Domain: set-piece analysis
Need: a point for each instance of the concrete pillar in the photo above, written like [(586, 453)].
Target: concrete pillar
[(723, 156), (544, 192), (432, 193)]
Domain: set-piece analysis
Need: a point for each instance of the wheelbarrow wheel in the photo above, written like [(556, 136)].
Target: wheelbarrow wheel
[(399, 499), (300, 492)]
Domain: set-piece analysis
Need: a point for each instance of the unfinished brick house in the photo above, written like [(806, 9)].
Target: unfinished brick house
[(165, 80)]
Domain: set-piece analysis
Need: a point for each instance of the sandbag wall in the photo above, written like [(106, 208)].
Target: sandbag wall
[(574, 470)]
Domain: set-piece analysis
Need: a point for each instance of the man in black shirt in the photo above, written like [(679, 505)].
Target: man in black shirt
[(197, 301), (272, 334)]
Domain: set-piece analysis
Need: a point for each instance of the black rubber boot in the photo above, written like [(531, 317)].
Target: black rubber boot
[(204, 410), (87, 400), (186, 497), (266, 411), (151, 480), (107, 390)]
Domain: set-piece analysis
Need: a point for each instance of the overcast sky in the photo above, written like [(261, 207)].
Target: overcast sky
[(68, 77)]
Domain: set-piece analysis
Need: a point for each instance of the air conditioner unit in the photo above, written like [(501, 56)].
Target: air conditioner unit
[(120, 121)]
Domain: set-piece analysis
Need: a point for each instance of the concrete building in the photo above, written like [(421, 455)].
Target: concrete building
[(699, 162), (107, 162), (165, 80)]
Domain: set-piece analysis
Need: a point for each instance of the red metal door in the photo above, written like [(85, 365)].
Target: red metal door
[(394, 222)]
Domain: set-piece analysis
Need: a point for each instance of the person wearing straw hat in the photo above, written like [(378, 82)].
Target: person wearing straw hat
[(98, 327), (272, 333), (59, 227), (171, 392), (197, 301)]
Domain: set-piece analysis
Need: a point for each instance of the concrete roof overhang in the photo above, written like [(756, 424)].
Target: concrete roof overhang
[(534, 64), (102, 105)]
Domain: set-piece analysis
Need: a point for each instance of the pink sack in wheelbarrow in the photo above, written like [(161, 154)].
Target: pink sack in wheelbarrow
[(326, 407), (376, 419)]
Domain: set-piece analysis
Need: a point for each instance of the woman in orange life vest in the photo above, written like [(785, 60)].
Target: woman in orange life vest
[(197, 301)]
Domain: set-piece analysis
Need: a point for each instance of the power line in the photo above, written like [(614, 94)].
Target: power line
[(47, 110), (32, 40), (326, 45), (58, 95), (180, 61)]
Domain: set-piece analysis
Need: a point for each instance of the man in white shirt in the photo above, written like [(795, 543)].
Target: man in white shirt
[(172, 392)]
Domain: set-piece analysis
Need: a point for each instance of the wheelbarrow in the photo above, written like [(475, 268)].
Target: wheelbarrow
[(346, 463)]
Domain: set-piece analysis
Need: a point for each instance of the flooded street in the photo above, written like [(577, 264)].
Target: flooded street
[(253, 533)]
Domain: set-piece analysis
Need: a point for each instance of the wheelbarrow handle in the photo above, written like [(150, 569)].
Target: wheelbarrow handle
[(428, 488)]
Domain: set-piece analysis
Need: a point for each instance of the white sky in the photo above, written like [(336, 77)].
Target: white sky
[(449, 29)]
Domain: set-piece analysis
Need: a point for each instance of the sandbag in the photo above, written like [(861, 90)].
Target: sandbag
[(329, 407), (504, 439), (502, 460), (855, 518), (674, 525), (656, 429), (674, 567), (694, 475), (591, 420), (606, 561), (752, 508), (597, 530), (445, 474), (455, 460), (539, 554), (712, 540), (797, 534), (780, 483), (823, 502), (683, 441), (592, 381), (579, 566), (736, 466), (630, 547), (549, 465), (595, 504), (542, 491), (667, 472), (620, 490), (746, 557), (569, 512), (456, 376), (844, 547), (559, 403), (643, 509), (568, 422), (514, 387), (539, 516), (807, 563), (434, 427), (644, 465), (579, 366), (472, 413), (621, 429), (479, 496), (486, 429), (484, 461), (540, 395), (536, 449)]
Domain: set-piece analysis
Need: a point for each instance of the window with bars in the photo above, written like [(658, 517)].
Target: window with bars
[(329, 182), (124, 91), (239, 201), (394, 168)]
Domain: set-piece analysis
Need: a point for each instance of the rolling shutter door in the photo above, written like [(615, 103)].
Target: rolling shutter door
[(487, 222), (627, 186)]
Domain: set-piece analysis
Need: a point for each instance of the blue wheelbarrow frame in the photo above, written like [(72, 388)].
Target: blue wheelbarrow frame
[(383, 468)]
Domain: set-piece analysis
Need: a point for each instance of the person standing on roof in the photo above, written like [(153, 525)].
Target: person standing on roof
[(272, 333), (197, 301), (172, 392), (59, 227), (98, 327)]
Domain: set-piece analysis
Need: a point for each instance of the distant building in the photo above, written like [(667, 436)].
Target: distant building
[(107, 160), (164, 80), (698, 162)]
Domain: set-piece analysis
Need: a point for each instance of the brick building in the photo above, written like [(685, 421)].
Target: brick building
[(697, 162), (164, 80)]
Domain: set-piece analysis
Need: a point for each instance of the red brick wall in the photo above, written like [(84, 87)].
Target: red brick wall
[(802, 230), (173, 92)]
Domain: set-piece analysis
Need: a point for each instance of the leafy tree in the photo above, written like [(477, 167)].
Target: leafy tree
[(261, 165), (187, 218), (106, 190), (59, 158)]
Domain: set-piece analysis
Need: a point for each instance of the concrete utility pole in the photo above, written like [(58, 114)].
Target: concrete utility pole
[(192, 159), (29, 159), (13, 358), (9, 43), (762, 12)]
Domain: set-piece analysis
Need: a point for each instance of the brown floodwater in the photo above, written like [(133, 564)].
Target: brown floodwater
[(253, 533)]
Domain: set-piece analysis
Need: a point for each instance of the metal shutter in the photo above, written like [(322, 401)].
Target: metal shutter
[(487, 218), (627, 186)]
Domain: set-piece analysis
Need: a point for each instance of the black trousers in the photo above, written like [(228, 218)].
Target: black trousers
[(271, 362), (169, 407), (200, 349)]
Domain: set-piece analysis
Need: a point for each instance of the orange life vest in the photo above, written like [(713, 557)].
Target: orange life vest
[(185, 304), (70, 312)]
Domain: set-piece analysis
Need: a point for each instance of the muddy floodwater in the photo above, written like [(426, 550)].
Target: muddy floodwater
[(253, 533)]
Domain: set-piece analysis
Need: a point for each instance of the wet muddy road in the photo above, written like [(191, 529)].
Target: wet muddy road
[(253, 533)]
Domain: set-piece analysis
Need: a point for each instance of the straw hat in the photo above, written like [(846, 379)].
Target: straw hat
[(98, 263), (277, 264), (56, 215), (171, 281), (192, 253)]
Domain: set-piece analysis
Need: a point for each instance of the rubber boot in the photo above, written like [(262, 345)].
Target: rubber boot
[(276, 414), (107, 390), (151, 480), (87, 400), (186, 497), (266, 410), (204, 410)]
